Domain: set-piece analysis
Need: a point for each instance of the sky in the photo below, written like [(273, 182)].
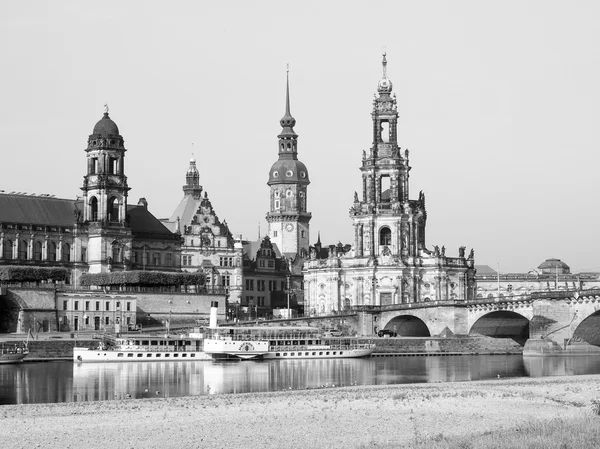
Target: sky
[(498, 103)]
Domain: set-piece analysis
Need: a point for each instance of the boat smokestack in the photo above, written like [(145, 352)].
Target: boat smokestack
[(214, 307)]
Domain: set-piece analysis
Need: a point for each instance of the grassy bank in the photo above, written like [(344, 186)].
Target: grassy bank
[(560, 412)]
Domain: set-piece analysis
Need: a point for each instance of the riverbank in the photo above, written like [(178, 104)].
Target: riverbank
[(415, 415)]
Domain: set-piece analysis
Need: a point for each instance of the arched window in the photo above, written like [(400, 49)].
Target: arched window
[(51, 251), (116, 253), (66, 252), (23, 250), (94, 209), (113, 209), (37, 251), (8, 249), (385, 236)]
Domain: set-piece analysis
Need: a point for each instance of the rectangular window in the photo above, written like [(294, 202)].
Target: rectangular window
[(156, 259), (272, 286), (128, 306), (225, 280), (221, 261), (87, 305), (249, 284), (274, 233), (276, 207), (271, 264), (261, 263), (76, 305), (65, 304), (303, 234), (106, 321), (84, 254), (97, 305), (260, 285), (168, 259), (107, 305)]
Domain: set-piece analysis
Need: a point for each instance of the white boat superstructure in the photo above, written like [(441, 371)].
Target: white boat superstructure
[(264, 342), (144, 348)]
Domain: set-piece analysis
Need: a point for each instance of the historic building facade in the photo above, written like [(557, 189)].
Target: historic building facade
[(208, 244), (390, 262), (98, 232)]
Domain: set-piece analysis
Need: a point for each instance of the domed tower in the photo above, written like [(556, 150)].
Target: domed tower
[(288, 179), (105, 197), (192, 180)]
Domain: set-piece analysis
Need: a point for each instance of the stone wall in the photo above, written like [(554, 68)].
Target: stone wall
[(454, 345)]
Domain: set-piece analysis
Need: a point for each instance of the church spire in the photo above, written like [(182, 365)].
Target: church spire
[(287, 137)]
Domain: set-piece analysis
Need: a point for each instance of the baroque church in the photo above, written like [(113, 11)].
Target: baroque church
[(389, 262), (97, 232)]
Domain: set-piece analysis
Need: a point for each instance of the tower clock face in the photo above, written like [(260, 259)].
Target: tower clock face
[(289, 227)]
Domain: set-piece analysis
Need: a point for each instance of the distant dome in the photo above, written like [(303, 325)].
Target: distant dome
[(554, 266), (286, 171), (106, 127)]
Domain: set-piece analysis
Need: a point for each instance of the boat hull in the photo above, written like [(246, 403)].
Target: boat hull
[(12, 358), (85, 355)]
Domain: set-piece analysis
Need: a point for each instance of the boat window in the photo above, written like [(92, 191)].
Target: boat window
[(120, 354), (175, 355), (327, 353), (183, 355), (321, 353), (285, 354), (295, 342), (287, 342), (306, 353), (157, 355), (129, 355), (314, 353), (302, 342), (277, 354), (145, 342), (154, 342), (192, 355), (148, 355), (334, 353), (167, 355), (341, 352)]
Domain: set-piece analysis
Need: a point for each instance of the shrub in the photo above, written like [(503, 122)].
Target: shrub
[(17, 273), (142, 278)]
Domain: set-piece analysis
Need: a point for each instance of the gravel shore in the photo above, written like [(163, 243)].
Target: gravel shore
[(346, 417)]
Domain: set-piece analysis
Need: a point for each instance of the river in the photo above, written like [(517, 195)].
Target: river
[(52, 382)]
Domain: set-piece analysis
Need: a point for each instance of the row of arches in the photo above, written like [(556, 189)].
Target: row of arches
[(21, 250), (498, 324)]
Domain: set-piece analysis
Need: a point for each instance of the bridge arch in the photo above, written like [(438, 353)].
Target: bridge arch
[(589, 330), (408, 326), (502, 324)]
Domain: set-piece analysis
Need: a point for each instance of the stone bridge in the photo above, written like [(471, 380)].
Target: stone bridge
[(558, 316)]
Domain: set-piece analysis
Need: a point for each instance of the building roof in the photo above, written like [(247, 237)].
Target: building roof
[(38, 210), (185, 211), (143, 223), (551, 265), (485, 269), (106, 127)]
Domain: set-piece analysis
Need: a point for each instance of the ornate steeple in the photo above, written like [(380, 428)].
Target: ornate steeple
[(288, 179), (288, 148)]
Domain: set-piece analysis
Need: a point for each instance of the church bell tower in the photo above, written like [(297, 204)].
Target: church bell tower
[(105, 199), (288, 219)]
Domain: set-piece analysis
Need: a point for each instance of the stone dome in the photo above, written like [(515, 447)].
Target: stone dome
[(106, 126), (554, 266), (286, 171), (384, 85)]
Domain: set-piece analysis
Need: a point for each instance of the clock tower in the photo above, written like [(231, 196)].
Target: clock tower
[(288, 180)]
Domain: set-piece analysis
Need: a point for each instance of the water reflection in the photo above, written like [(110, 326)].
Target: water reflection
[(68, 382), (561, 366)]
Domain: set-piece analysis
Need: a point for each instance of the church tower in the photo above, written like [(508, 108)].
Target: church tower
[(105, 198), (288, 220), (384, 218)]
